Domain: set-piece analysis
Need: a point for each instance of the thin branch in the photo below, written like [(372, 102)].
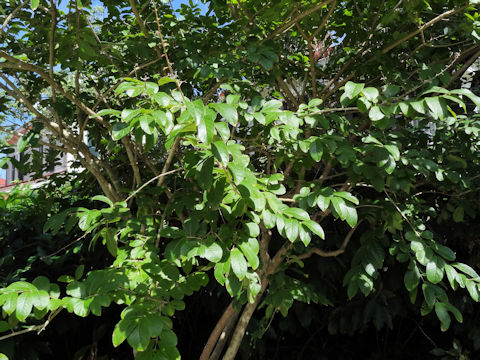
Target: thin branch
[(287, 91), (324, 21), (142, 24), (302, 15), (332, 253), (402, 214), (72, 144), (12, 15), (112, 88), (150, 181), (311, 57), (464, 68), (14, 63), (53, 10), (164, 46), (38, 328), (423, 27), (213, 89), (98, 39), (169, 161)]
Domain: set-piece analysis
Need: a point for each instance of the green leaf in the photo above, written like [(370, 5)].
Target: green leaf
[(55, 222), (371, 94), (444, 252), (10, 302), (103, 199), (250, 249), (223, 130), (315, 228), (429, 291), (213, 252), (291, 229), (393, 150), (452, 276), (340, 207), (435, 271), (305, 236), (475, 99), (227, 111), (297, 213), (347, 196), (352, 90), (119, 130), (220, 151), (168, 338), (419, 106), (24, 305), (155, 324), (405, 108), (391, 90), (443, 316), (111, 241), (472, 290), (139, 338), (458, 214), (165, 80), (122, 330), (375, 114), (24, 141), (238, 172), (252, 229), (351, 216), (323, 202), (205, 174), (79, 272), (316, 150), (436, 107), (145, 122), (41, 299), (268, 218), (205, 121), (3, 357), (466, 270), (411, 279), (238, 263), (34, 4)]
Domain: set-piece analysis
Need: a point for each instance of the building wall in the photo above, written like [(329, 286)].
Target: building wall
[(13, 174)]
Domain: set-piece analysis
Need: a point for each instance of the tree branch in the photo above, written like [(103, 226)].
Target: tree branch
[(423, 27), (12, 15), (302, 15), (217, 331), (131, 196), (333, 253)]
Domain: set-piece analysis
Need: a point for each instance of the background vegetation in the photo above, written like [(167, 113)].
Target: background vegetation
[(252, 179)]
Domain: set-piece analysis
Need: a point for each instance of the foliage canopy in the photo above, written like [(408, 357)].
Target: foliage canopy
[(286, 152)]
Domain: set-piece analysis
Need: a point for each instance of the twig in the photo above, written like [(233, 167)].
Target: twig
[(401, 213), (150, 181), (40, 327), (332, 253), (212, 91), (164, 46), (423, 27), (112, 88), (288, 25), (10, 17)]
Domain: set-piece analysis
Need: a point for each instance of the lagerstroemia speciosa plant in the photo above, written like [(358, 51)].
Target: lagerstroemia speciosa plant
[(247, 144)]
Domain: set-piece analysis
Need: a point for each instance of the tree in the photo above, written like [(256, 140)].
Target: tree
[(225, 148)]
